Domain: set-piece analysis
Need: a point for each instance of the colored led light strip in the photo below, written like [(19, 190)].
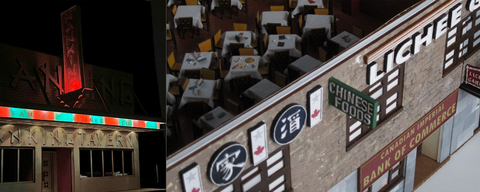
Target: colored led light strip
[(21, 113)]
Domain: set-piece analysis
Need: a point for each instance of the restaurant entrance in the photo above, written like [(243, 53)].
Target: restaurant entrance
[(56, 169)]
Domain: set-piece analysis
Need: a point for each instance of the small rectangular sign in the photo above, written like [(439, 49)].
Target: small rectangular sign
[(399, 148), (354, 103), (473, 76)]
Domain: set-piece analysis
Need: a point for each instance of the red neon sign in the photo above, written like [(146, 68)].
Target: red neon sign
[(72, 51)]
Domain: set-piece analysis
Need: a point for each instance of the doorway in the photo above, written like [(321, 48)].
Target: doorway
[(56, 170)]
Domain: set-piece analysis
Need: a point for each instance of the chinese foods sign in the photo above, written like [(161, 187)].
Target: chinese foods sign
[(352, 102)]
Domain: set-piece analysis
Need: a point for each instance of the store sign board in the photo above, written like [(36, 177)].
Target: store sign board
[(22, 113), (402, 47), (72, 50), (398, 149), (227, 163), (473, 76), (354, 103), (288, 124)]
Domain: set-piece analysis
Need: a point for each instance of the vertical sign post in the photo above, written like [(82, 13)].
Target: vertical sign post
[(72, 49)]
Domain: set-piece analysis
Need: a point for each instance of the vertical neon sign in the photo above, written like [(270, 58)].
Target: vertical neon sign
[(72, 49)]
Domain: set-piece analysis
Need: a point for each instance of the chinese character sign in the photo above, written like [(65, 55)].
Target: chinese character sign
[(288, 124), (227, 163)]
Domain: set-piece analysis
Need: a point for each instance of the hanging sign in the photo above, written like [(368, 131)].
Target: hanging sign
[(473, 76), (288, 124), (354, 103), (399, 148), (227, 163)]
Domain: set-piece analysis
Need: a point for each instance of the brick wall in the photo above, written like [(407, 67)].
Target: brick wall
[(11, 58)]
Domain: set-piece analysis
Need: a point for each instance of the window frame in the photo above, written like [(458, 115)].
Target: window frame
[(391, 183), (112, 164), (2, 156), (263, 185), (384, 116)]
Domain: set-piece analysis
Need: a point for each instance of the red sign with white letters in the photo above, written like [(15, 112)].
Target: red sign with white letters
[(473, 76)]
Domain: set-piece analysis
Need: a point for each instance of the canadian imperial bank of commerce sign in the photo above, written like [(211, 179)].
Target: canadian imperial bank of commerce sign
[(354, 103)]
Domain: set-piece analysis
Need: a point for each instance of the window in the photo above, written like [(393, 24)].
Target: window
[(100, 163), (272, 174), (389, 179), (16, 165), (462, 40), (388, 91)]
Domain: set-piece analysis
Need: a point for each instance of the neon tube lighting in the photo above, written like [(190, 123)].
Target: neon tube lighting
[(21, 113)]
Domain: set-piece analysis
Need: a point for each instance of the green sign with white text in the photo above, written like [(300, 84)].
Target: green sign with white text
[(354, 103)]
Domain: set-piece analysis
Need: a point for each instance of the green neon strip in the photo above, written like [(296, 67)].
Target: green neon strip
[(97, 120), (65, 117), (21, 113), (152, 125), (125, 122)]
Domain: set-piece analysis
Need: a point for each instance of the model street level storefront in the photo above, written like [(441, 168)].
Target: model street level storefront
[(412, 67), (60, 151)]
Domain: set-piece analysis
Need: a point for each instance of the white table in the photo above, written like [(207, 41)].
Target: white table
[(262, 90), (189, 62), (250, 68), (342, 42), (205, 94), (301, 3), (229, 37), (170, 97), (273, 17), (216, 121), (194, 11), (171, 2), (290, 44), (305, 64), (318, 21), (237, 3)]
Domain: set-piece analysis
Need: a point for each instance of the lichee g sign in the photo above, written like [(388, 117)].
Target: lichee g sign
[(354, 103)]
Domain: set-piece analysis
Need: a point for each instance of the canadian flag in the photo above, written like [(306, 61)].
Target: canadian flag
[(259, 144)]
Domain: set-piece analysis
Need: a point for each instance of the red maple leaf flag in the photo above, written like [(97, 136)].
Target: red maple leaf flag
[(315, 113), (259, 150), (196, 189)]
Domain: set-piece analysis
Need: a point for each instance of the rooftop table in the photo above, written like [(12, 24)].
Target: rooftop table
[(345, 40), (236, 3), (190, 62), (205, 94), (229, 37), (301, 3), (262, 90), (194, 11), (216, 121), (289, 44), (238, 67), (318, 21), (273, 17), (305, 64)]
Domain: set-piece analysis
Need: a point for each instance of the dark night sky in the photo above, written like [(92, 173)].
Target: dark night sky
[(115, 34)]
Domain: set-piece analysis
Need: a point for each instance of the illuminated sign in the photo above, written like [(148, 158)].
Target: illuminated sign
[(408, 43), (398, 149), (473, 76), (21, 113), (354, 103), (72, 50)]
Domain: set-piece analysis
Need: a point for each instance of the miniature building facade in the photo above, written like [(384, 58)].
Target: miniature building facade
[(413, 68)]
